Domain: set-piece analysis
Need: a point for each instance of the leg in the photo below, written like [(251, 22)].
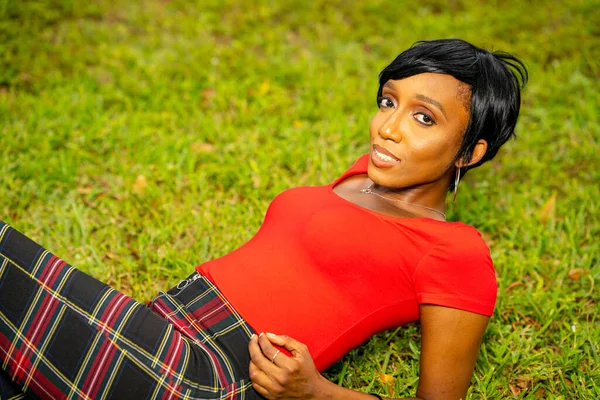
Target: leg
[(64, 334)]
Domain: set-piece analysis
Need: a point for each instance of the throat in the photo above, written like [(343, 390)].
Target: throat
[(354, 190), (402, 202)]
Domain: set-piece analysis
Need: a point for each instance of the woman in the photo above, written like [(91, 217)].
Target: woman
[(330, 266)]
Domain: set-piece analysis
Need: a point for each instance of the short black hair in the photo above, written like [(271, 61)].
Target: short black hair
[(495, 79)]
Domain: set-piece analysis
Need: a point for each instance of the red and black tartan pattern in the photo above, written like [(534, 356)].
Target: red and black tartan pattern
[(63, 334)]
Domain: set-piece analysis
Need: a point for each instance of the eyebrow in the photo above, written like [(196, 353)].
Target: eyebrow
[(429, 100), (422, 97)]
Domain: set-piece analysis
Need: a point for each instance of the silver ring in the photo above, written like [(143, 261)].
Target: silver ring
[(276, 354)]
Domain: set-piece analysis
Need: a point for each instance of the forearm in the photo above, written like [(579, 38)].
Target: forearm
[(330, 391)]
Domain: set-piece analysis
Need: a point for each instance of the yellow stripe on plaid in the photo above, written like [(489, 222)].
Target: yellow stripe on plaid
[(165, 365)]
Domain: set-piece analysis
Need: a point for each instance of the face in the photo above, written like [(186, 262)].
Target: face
[(417, 131)]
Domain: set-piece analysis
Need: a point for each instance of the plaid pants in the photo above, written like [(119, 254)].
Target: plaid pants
[(65, 335)]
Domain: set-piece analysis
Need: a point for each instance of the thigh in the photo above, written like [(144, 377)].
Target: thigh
[(198, 309), (64, 334)]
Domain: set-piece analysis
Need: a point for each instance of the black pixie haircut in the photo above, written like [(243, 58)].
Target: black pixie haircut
[(495, 80)]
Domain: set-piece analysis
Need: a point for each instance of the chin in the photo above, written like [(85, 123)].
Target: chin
[(387, 177)]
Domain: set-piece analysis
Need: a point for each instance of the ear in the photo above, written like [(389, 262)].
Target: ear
[(478, 153)]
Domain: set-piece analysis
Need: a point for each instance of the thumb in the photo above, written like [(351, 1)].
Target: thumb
[(288, 343)]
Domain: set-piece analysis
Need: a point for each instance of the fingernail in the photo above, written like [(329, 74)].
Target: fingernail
[(262, 333), (271, 334), (253, 336)]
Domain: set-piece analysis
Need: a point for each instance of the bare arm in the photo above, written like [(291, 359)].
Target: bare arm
[(449, 345), (450, 340)]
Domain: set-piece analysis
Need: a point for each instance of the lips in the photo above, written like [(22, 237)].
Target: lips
[(383, 158)]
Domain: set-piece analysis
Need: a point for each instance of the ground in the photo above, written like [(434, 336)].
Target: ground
[(142, 138)]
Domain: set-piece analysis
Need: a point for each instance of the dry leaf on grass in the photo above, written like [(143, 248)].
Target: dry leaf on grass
[(207, 96), (387, 380), (524, 382), (85, 189), (512, 286), (547, 209), (514, 390), (201, 147), (576, 273), (488, 239), (110, 255), (140, 184), (520, 384)]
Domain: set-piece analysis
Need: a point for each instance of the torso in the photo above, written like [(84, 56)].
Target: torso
[(331, 266)]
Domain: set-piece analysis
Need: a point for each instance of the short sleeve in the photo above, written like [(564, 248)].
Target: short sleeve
[(458, 272)]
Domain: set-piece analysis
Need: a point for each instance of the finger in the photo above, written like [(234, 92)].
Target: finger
[(272, 353), (259, 359), (292, 345), (261, 390), (261, 382), (253, 368)]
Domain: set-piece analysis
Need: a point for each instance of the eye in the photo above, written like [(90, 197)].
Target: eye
[(385, 102), (424, 119)]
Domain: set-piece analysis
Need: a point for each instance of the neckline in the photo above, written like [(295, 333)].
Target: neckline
[(375, 213), (360, 167)]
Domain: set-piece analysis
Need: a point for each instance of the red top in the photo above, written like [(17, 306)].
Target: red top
[(330, 273)]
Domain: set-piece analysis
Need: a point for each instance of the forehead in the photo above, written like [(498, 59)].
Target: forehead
[(444, 88)]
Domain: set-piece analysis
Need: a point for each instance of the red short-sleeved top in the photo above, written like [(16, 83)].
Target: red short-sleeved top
[(331, 273)]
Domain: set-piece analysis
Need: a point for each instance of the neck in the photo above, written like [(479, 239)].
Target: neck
[(429, 195), (402, 204)]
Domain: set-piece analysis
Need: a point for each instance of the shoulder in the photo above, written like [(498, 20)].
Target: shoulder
[(463, 249), (458, 272), (453, 239), (464, 239), (359, 167), (361, 163)]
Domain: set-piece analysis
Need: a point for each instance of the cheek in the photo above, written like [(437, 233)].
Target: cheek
[(431, 146), (372, 128), (375, 124), (438, 153)]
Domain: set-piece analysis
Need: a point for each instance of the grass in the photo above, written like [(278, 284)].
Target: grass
[(142, 138)]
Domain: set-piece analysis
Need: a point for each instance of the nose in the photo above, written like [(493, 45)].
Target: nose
[(391, 128)]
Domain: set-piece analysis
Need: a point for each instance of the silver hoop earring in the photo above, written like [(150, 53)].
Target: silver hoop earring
[(456, 182)]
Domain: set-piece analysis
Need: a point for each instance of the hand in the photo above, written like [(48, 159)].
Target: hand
[(277, 376)]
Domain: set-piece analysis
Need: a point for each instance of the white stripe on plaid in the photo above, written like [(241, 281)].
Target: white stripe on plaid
[(28, 345)]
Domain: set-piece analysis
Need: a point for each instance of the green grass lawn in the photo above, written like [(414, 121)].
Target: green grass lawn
[(141, 138)]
